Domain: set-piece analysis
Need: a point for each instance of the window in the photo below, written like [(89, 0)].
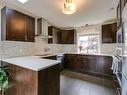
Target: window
[(89, 43)]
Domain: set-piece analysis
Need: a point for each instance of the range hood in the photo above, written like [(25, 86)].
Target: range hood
[(42, 28)]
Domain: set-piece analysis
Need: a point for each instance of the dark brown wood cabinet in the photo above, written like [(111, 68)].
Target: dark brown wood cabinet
[(23, 81), (54, 57), (90, 64), (120, 8), (67, 37), (17, 26), (30, 30), (59, 36), (119, 15), (52, 31), (109, 32)]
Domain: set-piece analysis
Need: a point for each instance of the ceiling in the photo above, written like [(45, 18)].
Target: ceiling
[(88, 11)]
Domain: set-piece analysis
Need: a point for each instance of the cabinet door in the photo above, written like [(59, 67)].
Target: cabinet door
[(119, 16), (69, 61), (78, 63), (108, 65), (67, 37), (30, 29), (15, 29), (104, 64), (52, 31), (55, 37), (123, 3), (89, 63), (17, 26), (114, 32), (71, 37), (107, 34), (64, 37), (72, 62), (59, 35)]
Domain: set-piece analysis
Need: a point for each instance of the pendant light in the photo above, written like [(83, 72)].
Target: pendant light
[(69, 7)]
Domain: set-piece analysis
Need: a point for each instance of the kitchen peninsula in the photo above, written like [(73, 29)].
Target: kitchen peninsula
[(33, 76)]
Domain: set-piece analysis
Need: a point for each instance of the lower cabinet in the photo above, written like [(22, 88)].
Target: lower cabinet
[(23, 81), (90, 64)]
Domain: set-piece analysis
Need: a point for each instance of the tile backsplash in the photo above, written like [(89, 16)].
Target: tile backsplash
[(15, 49), (69, 48)]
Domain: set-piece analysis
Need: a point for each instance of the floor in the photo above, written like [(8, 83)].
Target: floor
[(79, 84)]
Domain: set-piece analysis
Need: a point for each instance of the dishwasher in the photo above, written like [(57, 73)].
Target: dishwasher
[(61, 57)]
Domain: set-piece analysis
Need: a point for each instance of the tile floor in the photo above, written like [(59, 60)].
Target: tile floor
[(79, 84)]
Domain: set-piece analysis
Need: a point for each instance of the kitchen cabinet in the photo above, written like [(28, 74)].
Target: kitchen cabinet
[(120, 8), (119, 16), (90, 64), (122, 3), (52, 32), (23, 81), (30, 30), (67, 37), (42, 28), (109, 32), (54, 57), (17, 26)]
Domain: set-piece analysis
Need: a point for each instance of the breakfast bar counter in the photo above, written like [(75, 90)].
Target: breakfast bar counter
[(33, 76)]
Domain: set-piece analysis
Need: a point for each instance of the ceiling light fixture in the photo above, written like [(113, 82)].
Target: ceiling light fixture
[(69, 7), (23, 1)]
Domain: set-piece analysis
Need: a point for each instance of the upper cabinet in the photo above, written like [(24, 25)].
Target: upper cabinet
[(42, 28), (67, 37), (17, 26), (109, 32), (120, 8), (52, 32), (59, 36)]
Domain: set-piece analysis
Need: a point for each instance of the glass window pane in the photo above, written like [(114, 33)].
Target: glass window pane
[(89, 44)]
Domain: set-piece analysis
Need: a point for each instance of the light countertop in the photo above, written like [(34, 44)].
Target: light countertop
[(38, 62), (53, 54), (32, 62), (99, 54)]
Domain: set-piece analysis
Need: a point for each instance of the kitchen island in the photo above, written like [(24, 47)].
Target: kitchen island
[(33, 76)]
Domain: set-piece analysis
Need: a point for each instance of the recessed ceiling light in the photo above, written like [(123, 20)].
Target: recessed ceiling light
[(23, 1)]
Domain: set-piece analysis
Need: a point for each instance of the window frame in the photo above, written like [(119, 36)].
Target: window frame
[(94, 34)]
